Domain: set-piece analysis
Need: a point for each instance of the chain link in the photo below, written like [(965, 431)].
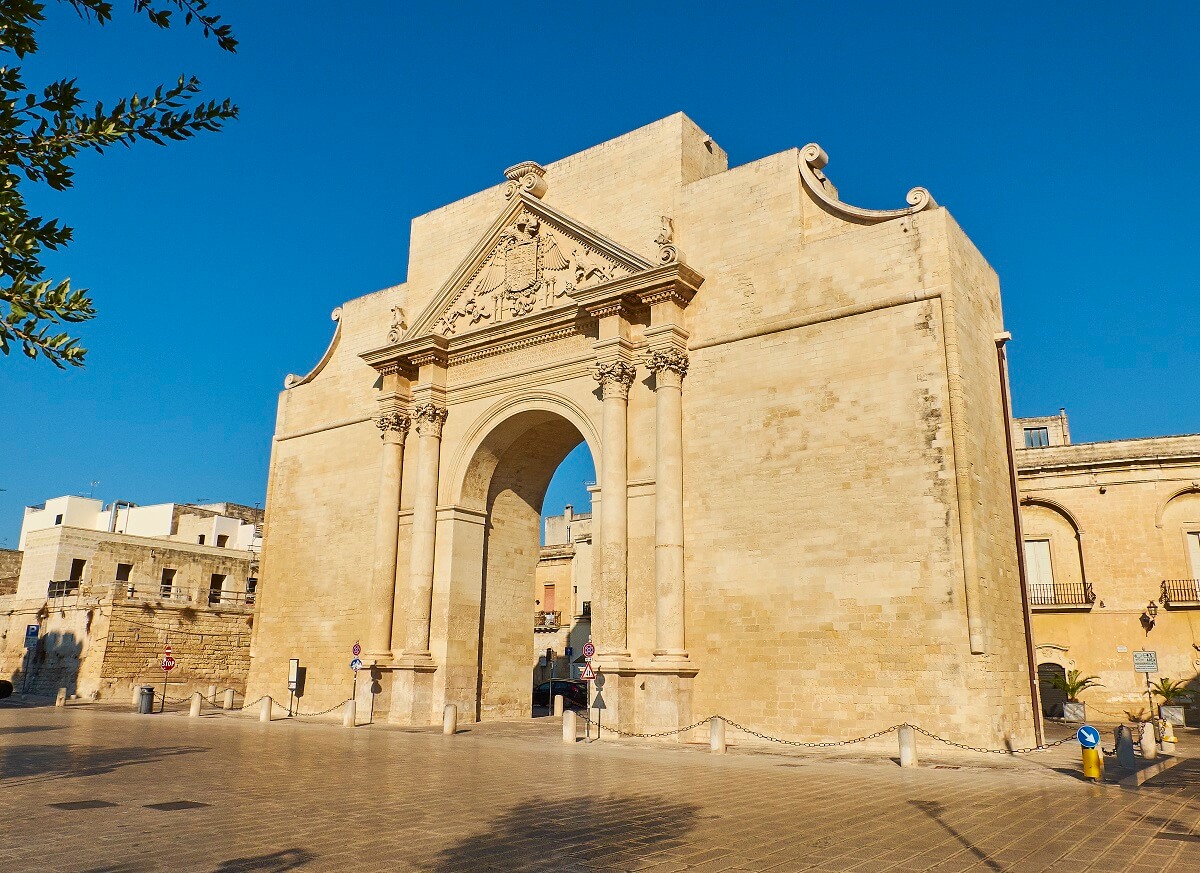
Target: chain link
[(1025, 751), (323, 711)]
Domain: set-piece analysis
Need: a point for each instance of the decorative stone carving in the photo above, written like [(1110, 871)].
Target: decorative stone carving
[(430, 417), (615, 377), (668, 252), (392, 420), (292, 380), (813, 159), (526, 176), (667, 360), (526, 271), (399, 325)]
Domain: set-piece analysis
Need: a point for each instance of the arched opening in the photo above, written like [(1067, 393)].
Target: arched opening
[(508, 478), (1052, 697)]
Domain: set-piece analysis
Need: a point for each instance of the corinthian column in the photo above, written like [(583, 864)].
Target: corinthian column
[(669, 367), (609, 617), (429, 420), (382, 593)]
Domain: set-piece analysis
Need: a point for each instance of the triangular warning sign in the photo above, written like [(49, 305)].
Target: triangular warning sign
[(588, 674)]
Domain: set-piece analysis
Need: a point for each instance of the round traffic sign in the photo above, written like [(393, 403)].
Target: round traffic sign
[(356, 650), (356, 664), (1088, 736), (588, 649), (168, 663)]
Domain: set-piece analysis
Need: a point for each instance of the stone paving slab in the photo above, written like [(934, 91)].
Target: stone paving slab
[(233, 794)]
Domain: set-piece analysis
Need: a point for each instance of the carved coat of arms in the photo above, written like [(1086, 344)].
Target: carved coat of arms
[(517, 265)]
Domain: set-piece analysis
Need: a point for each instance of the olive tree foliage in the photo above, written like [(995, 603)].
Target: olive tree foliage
[(42, 130)]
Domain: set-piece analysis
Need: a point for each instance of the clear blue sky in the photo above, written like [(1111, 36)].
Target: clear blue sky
[(1062, 136)]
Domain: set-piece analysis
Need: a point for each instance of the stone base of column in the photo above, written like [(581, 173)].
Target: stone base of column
[(657, 697), (402, 692), (670, 656)]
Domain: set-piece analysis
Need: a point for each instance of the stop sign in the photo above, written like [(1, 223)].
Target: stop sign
[(168, 663)]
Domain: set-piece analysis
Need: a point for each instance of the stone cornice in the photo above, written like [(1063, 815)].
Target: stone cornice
[(1138, 453)]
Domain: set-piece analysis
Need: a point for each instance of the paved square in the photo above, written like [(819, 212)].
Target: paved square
[(223, 793)]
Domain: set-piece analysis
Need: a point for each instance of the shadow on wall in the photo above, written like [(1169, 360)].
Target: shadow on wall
[(528, 836), (52, 665)]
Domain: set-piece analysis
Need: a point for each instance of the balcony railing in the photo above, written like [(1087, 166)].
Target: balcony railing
[(230, 598), (1062, 594), (1181, 592), (547, 620)]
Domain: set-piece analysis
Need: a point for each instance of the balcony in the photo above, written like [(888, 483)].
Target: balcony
[(545, 621), (1181, 593), (1061, 595), (230, 598)]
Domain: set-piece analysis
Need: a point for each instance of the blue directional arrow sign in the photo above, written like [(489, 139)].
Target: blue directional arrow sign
[(1088, 736)]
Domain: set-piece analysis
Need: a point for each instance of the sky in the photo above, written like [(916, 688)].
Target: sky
[(1061, 136)]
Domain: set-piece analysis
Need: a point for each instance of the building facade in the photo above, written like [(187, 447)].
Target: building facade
[(1112, 558), (739, 349), (562, 622), (108, 587)]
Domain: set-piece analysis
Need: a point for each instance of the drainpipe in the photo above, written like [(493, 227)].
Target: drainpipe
[(1006, 408)]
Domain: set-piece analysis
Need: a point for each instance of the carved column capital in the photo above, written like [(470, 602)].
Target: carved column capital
[(392, 423), (663, 361), (430, 417), (615, 377)]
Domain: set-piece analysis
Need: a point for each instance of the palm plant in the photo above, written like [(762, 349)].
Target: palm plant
[(1075, 684), (1171, 692)]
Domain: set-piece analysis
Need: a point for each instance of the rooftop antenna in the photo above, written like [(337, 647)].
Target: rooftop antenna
[(93, 483)]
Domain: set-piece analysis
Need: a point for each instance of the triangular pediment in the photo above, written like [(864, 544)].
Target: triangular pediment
[(529, 262)]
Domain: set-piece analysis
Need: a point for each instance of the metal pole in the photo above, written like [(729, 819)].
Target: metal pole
[(163, 708)]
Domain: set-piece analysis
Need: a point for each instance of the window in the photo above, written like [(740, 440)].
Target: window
[(64, 588), (216, 586), (58, 519), (548, 598), (222, 540), (77, 566), (123, 571), (1193, 541), (586, 612), (251, 589), (200, 539), (1036, 437), (166, 584), (1039, 571)]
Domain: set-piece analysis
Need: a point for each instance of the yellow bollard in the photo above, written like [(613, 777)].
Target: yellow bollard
[(1093, 765)]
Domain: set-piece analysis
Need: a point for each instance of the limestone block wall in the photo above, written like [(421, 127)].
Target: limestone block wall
[(10, 570)]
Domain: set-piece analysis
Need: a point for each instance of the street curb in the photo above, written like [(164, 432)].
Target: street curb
[(1136, 780)]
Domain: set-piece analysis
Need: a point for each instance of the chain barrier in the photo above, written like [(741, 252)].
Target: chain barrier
[(323, 711), (831, 743)]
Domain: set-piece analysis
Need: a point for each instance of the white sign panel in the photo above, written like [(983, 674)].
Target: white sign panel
[(1145, 662)]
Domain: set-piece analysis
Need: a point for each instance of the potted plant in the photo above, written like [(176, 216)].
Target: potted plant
[(1174, 700), (1072, 686)]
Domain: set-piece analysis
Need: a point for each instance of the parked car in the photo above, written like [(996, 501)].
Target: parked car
[(574, 693)]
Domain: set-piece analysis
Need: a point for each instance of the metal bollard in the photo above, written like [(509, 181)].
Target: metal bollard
[(61, 699), (227, 703), (908, 746), (264, 709), (569, 728), (716, 735), (1124, 743), (1149, 746), (450, 720), (194, 712), (558, 704), (350, 715)]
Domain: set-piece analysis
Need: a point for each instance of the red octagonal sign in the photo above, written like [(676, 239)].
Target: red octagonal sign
[(168, 663)]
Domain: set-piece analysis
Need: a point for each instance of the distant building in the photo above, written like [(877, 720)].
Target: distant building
[(109, 586), (1112, 558), (563, 592)]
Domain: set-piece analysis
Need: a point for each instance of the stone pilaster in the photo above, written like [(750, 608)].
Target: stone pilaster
[(429, 418), (669, 366), (393, 424)]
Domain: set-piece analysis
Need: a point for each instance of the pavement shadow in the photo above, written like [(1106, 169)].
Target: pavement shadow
[(29, 728), (43, 762), (276, 862), (549, 834), (934, 810)]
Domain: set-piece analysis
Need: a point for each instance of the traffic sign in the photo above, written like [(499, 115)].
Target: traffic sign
[(168, 663), (588, 674), (569, 651), (588, 649), (31, 635), (356, 664), (1145, 662), (1088, 736), (356, 650)]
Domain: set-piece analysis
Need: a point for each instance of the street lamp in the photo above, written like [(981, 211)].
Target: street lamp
[(1149, 616)]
